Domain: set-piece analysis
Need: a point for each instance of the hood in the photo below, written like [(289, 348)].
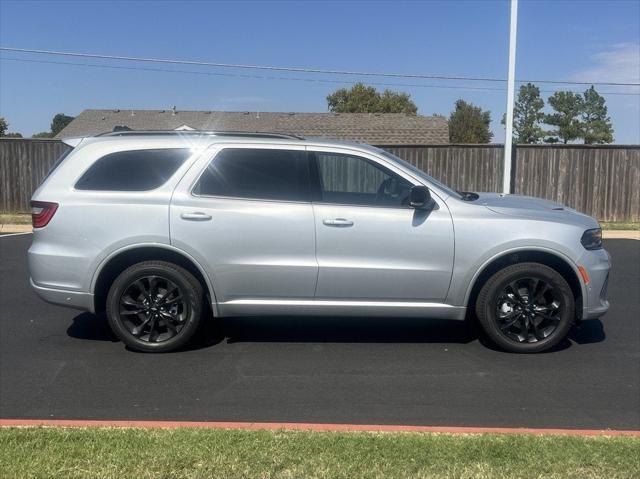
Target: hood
[(507, 203), (534, 208)]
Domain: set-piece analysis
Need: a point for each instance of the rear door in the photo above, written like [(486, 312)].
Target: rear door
[(370, 244), (244, 213)]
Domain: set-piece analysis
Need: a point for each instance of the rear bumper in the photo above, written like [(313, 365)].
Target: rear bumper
[(70, 299)]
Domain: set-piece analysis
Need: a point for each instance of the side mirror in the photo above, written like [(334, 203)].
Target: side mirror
[(419, 197)]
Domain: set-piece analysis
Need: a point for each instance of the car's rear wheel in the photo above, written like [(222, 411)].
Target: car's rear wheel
[(526, 308), (155, 306)]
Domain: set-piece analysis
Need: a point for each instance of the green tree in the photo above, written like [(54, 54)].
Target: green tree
[(527, 115), (566, 118), (43, 134), (397, 102), (4, 126), (596, 125), (59, 122), (366, 99), (469, 124)]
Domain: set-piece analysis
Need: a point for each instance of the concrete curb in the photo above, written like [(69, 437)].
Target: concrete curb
[(8, 228), (621, 234)]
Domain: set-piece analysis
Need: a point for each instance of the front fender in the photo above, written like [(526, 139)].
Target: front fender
[(460, 291)]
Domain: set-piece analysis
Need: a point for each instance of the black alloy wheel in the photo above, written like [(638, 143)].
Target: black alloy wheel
[(153, 309), (526, 308), (155, 306)]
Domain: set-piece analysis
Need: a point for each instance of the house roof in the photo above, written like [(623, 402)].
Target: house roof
[(373, 128)]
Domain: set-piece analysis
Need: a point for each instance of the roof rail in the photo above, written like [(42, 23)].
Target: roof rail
[(256, 134)]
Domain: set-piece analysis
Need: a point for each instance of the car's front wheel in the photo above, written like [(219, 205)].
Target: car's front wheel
[(526, 308), (155, 306)]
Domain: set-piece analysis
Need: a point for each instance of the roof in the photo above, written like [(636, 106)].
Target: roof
[(373, 128)]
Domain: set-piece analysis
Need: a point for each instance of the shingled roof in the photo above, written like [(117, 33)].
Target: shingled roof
[(373, 128)]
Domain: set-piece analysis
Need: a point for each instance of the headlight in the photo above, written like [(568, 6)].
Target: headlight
[(592, 239)]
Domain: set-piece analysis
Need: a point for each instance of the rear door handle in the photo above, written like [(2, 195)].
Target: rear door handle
[(197, 216), (338, 222)]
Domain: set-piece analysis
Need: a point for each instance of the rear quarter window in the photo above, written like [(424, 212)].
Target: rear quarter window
[(133, 170)]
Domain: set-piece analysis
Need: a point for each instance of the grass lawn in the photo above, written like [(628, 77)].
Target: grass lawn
[(15, 219), (204, 453), (621, 225)]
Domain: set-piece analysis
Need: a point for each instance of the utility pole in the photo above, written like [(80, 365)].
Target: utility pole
[(506, 179)]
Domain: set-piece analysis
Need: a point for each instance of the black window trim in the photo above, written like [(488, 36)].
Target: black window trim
[(315, 185), (211, 158), (79, 177)]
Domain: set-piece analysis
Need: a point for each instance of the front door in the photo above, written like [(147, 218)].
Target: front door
[(370, 244), (246, 216)]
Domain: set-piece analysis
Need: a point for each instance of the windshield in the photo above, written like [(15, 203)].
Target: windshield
[(421, 174)]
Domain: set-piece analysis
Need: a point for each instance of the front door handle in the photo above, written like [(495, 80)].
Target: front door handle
[(340, 222), (197, 216)]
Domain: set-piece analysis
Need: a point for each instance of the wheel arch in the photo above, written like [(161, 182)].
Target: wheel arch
[(121, 259), (550, 258)]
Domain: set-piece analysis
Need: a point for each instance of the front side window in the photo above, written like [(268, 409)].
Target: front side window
[(268, 174), (347, 179), (420, 173), (137, 170)]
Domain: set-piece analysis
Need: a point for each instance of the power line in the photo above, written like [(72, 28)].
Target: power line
[(240, 75), (299, 69), (266, 77)]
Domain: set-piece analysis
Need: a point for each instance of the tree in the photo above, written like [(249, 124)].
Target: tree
[(527, 115), (366, 99), (397, 102), (596, 125), (568, 108), (43, 134), (59, 122), (4, 125), (469, 124)]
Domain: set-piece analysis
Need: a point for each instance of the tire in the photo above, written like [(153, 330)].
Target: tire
[(155, 306), (526, 308)]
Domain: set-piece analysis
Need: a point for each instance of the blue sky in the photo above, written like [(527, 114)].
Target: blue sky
[(566, 40)]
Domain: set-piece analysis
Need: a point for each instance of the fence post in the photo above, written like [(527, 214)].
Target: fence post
[(514, 168)]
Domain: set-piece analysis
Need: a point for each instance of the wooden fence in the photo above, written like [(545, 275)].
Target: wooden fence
[(23, 165), (601, 181), (462, 167)]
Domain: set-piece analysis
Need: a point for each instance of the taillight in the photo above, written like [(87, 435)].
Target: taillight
[(42, 212)]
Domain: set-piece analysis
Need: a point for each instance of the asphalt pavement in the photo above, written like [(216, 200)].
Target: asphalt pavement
[(57, 363)]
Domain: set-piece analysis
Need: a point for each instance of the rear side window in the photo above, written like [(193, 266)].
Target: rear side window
[(137, 170), (257, 173)]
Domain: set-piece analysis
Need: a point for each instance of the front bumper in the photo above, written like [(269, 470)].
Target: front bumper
[(70, 299), (598, 264)]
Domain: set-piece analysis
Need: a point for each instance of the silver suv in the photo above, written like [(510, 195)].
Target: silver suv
[(155, 228)]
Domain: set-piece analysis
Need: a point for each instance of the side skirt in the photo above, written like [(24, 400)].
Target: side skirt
[(271, 307)]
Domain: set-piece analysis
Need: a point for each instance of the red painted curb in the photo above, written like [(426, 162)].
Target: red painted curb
[(309, 427)]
